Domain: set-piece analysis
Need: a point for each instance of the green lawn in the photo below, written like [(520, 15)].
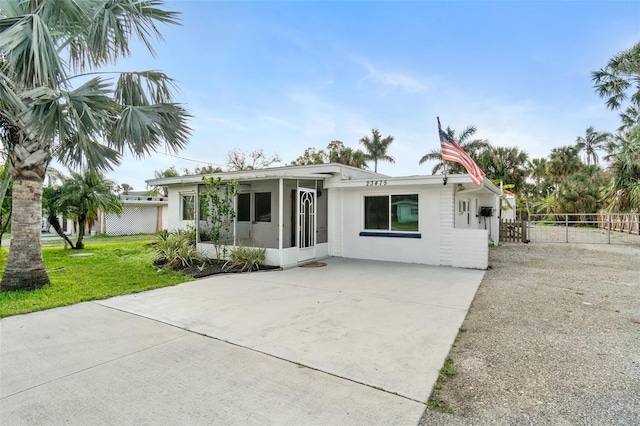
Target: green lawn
[(116, 265)]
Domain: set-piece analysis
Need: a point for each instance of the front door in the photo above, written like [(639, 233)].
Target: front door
[(306, 224)]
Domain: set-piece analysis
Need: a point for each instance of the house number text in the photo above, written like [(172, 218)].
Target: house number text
[(376, 183)]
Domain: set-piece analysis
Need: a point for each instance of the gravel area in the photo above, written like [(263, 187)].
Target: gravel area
[(550, 339)]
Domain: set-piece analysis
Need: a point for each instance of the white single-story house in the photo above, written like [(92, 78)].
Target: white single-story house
[(302, 213)]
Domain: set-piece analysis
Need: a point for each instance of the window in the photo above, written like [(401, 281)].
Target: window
[(262, 205), (188, 206), (244, 207), (391, 213)]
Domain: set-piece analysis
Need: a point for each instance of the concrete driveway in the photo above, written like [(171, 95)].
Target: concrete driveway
[(354, 342)]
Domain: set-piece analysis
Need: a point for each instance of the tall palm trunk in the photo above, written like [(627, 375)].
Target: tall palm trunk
[(25, 265)]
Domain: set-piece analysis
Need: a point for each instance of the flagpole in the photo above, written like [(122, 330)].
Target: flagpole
[(445, 178)]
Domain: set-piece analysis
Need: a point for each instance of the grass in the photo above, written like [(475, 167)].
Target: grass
[(116, 266)]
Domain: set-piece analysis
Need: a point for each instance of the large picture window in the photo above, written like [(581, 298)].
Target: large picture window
[(398, 213), (188, 210)]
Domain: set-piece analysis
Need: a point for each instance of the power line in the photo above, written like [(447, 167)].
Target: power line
[(189, 159)]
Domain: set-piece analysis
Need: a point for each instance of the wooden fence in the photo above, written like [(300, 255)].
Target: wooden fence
[(513, 231), (628, 222)]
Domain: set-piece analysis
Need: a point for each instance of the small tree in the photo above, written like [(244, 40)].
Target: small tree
[(125, 187), (82, 195), (217, 209)]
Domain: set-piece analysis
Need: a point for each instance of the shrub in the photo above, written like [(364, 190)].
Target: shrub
[(246, 258), (177, 249)]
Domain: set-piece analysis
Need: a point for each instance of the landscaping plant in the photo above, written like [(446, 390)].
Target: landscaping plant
[(217, 209), (176, 250), (246, 258)]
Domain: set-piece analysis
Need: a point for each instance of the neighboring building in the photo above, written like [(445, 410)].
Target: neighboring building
[(141, 214), (508, 207), (301, 213)]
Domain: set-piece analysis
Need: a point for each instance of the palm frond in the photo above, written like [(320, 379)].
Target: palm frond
[(30, 51), (114, 23)]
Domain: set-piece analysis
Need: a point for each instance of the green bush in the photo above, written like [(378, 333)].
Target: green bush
[(175, 250), (246, 258)]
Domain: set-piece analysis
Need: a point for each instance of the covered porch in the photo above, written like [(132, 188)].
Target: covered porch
[(285, 216)]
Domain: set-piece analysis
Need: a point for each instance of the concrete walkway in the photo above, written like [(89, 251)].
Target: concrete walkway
[(354, 342)]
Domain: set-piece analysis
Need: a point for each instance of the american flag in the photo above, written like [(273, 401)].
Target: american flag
[(451, 151)]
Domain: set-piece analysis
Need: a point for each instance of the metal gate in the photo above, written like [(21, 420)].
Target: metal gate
[(585, 228)]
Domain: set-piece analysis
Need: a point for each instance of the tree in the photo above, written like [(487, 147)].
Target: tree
[(88, 122), (52, 212), (619, 80), (376, 148), (5, 199), (238, 160), (311, 156), (471, 147), (563, 161), (592, 141), (623, 191), (506, 164), (161, 174), (205, 170), (338, 153), (82, 195), (125, 187)]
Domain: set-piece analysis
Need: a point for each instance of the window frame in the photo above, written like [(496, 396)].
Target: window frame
[(183, 196), (389, 231), (256, 216), (249, 211)]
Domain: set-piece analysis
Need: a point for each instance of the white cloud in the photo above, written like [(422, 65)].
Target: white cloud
[(391, 79), (278, 121)]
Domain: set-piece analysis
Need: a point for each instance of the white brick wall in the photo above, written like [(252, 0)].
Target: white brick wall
[(446, 225)]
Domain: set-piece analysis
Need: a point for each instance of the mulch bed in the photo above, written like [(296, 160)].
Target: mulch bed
[(214, 267)]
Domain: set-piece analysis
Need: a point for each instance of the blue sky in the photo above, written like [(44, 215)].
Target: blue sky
[(284, 76)]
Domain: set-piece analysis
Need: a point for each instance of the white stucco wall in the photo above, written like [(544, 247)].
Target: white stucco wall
[(441, 241), (174, 216), (346, 221)]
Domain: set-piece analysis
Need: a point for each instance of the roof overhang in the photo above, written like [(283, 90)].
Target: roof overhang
[(419, 180), (313, 171)]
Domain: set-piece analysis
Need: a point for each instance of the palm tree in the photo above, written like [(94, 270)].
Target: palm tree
[(52, 211), (471, 147), (338, 153), (377, 147), (592, 141), (537, 170), (620, 76), (563, 161), (125, 187), (630, 118), (82, 195), (45, 47), (506, 164), (623, 190)]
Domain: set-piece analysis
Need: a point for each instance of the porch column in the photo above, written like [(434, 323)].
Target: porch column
[(280, 216)]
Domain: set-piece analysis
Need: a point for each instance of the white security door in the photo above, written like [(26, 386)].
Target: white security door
[(306, 225)]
